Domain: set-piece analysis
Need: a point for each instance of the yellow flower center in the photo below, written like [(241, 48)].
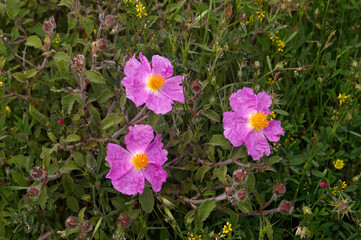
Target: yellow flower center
[(155, 82), (259, 121), (140, 160)]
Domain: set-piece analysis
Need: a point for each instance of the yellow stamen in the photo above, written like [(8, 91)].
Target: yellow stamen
[(155, 82), (140, 161), (259, 121)]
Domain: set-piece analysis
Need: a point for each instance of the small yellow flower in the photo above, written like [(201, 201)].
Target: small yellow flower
[(271, 116), (261, 15), (8, 109), (336, 190), (342, 98), (227, 228), (1, 84), (338, 163)]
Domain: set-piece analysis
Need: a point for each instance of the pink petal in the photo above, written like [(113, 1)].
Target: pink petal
[(119, 160), (236, 128), (131, 68), (264, 101), (159, 103), (244, 101), (155, 152), (274, 128), (173, 89), (145, 63), (155, 175), (131, 183), (134, 87), (162, 65), (139, 138), (257, 145)]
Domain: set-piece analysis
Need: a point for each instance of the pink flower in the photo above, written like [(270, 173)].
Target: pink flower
[(60, 121), (248, 123), (142, 159), (323, 184), (152, 84)]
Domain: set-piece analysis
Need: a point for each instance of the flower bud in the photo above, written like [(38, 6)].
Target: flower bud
[(123, 220), (109, 20), (286, 207), (101, 44), (279, 189), (241, 195), (306, 210), (49, 26), (71, 223), (116, 29), (33, 191), (60, 121), (36, 173), (243, 15), (323, 184), (196, 86), (88, 226), (77, 62), (240, 176)]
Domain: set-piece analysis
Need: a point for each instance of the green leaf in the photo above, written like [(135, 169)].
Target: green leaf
[(20, 179), (12, 8), (21, 77), (72, 203), (273, 160), (31, 73), (220, 140), (201, 172), (97, 227), (355, 133), (222, 171), (205, 209), (112, 120), (34, 41), (269, 63), (72, 138), (68, 102), (147, 200), (251, 182), (14, 33), (62, 56), (212, 115), (45, 155), (87, 24), (52, 137), (95, 115), (43, 196), (19, 161), (69, 166), (245, 207), (81, 214), (41, 118), (104, 95), (67, 3), (94, 77), (72, 21), (78, 158), (281, 112)]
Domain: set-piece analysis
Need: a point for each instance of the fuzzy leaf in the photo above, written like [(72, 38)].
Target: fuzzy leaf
[(147, 200), (34, 41), (205, 209), (94, 77)]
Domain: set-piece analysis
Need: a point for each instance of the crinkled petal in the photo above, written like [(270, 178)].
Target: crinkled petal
[(134, 87), (264, 101), (131, 67), (173, 89), (156, 175), (145, 63), (257, 145), (236, 128), (159, 103), (244, 102), (131, 183), (155, 152), (119, 160), (161, 65), (139, 138), (274, 128)]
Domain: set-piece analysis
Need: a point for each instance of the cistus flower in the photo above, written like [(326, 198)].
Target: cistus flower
[(142, 159), (248, 123), (152, 84)]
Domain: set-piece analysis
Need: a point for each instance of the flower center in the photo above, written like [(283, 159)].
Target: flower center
[(259, 121), (155, 82), (140, 160)]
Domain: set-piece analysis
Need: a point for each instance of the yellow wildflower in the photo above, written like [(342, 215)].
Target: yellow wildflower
[(336, 190), (261, 15), (1, 84), (271, 116), (342, 98), (227, 228), (270, 81), (8, 109), (338, 163), (140, 10)]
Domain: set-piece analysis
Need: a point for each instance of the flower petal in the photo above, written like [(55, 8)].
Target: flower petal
[(274, 128), (145, 63), (134, 87), (161, 65), (244, 102), (131, 183), (236, 128), (264, 101), (139, 138), (156, 175), (173, 89), (257, 145), (155, 152), (159, 103), (131, 68), (119, 160)]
